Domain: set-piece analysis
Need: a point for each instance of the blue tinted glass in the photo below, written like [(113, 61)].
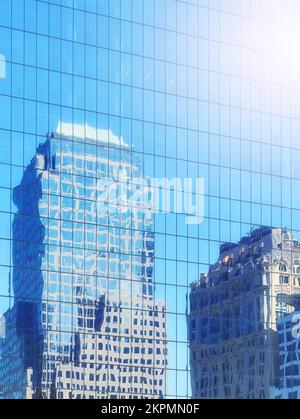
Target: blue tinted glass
[(149, 205)]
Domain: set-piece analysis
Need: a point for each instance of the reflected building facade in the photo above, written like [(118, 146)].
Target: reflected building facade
[(85, 322), (234, 314), (289, 351)]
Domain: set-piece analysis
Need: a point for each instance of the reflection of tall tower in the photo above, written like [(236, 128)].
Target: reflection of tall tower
[(84, 323), (234, 309)]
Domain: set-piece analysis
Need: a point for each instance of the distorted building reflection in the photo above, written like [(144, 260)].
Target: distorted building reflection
[(234, 313), (85, 322), (289, 350)]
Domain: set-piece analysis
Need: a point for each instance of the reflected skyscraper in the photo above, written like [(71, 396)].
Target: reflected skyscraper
[(85, 322), (234, 314)]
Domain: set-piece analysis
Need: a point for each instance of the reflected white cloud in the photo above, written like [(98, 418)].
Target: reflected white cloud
[(85, 131)]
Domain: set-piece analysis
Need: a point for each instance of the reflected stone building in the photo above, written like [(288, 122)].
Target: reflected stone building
[(85, 322), (234, 314), (289, 351)]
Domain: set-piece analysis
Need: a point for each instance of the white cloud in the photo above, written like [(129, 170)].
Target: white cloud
[(85, 131)]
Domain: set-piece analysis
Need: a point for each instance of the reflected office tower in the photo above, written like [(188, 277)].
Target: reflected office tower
[(85, 323), (234, 313)]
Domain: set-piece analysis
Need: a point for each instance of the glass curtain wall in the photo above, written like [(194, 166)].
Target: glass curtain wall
[(149, 198)]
